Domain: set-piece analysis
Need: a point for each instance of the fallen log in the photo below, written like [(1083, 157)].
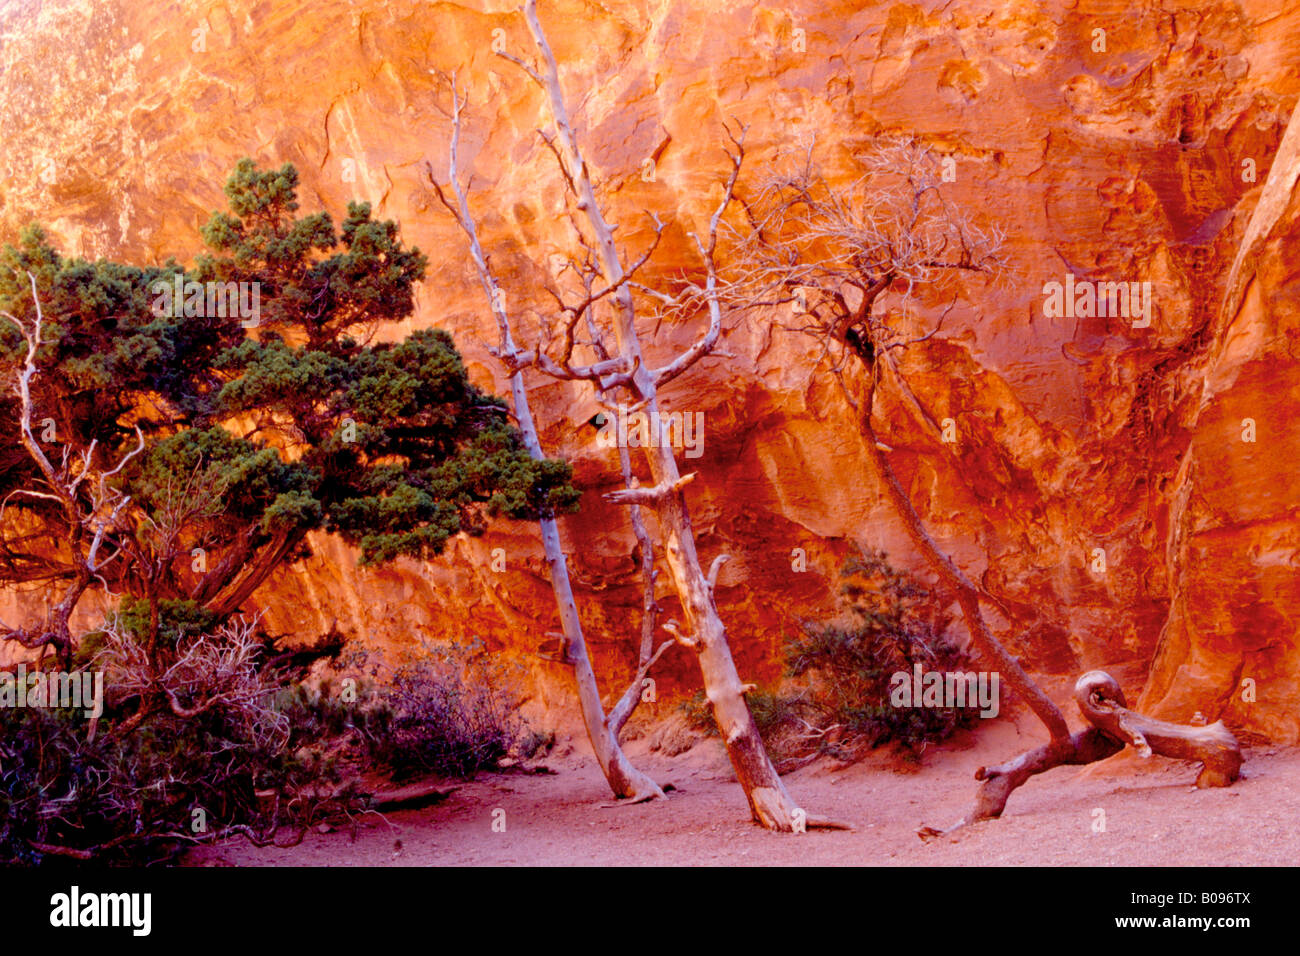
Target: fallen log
[(1100, 699), (412, 797), (1102, 702)]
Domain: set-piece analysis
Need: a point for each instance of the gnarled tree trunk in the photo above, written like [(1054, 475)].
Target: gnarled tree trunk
[(1102, 702), (625, 780), (769, 802)]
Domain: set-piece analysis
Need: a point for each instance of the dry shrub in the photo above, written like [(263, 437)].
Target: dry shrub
[(453, 712), (190, 748), (836, 696)]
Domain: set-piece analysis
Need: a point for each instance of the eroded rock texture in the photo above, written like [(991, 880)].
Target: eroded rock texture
[(1136, 153)]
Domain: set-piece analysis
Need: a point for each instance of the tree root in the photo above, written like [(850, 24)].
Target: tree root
[(1101, 700), (826, 823), (643, 796)]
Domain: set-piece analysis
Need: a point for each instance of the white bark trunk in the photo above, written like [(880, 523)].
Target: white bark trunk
[(624, 779), (769, 802)]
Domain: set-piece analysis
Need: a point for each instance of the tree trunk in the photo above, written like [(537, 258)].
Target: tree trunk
[(967, 594), (769, 803), (1102, 702), (624, 779)]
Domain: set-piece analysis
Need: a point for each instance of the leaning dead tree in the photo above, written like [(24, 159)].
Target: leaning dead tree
[(625, 780), (836, 254), (603, 290), (81, 489)]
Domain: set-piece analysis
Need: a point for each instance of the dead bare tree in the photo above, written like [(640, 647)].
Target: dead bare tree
[(81, 489), (833, 253), (625, 780), (604, 277)]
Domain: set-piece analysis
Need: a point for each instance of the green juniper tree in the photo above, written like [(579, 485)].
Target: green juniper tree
[(253, 438), (171, 455)]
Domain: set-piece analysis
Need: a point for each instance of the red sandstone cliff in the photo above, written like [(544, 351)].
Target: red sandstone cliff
[(121, 120)]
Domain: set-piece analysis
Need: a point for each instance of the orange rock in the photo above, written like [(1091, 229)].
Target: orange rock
[(1117, 156)]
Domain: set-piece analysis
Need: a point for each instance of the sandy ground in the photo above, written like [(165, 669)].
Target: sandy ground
[(1153, 815)]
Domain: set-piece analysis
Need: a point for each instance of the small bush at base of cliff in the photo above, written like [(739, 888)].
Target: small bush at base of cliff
[(836, 699), (452, 713)]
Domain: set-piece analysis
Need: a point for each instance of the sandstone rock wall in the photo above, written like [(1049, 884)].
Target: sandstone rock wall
[(1234, 544), (1112, 155)]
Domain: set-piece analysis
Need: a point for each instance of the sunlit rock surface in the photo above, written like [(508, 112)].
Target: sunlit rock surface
[(1136, 153)]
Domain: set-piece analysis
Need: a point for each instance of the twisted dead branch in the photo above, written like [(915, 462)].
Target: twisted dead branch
[(835, 253), (90, 513), (1102, 702)]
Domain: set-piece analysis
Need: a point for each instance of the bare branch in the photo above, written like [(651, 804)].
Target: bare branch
[(523, 66), (672, 628), (460, 211), (836, 250), (714, 568), (644, 496)]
